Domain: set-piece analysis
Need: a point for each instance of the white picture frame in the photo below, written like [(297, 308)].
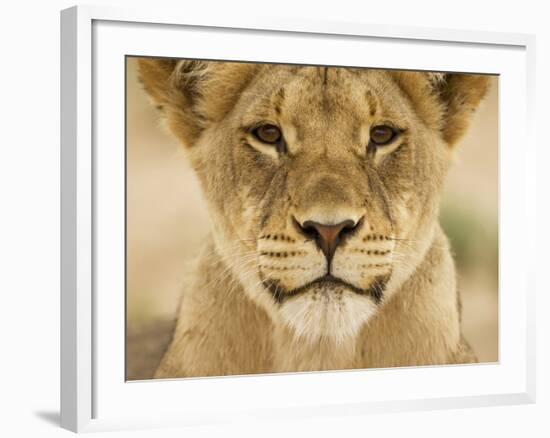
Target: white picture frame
[(94, 395)]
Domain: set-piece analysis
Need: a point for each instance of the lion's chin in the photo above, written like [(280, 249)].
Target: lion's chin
[(333, 316)]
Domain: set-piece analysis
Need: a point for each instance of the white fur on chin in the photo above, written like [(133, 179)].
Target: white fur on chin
[(329, 315)]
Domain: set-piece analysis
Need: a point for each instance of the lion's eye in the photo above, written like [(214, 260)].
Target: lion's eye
[(268, 134), (381, 135)]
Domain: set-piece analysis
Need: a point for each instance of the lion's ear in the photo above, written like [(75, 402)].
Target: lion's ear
[(445, 101), (461, 95), (156, 76), (193, 94)]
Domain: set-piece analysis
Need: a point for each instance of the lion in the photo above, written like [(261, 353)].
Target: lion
[(323, 187)]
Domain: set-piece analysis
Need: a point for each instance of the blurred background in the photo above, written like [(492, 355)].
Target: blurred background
[(167, 220)]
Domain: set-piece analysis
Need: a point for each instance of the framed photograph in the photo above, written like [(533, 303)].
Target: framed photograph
[(258, 208)]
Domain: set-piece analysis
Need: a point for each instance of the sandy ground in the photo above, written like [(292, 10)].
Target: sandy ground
[(167, 221)]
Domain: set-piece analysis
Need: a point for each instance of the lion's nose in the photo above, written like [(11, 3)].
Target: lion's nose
[(328, 236)]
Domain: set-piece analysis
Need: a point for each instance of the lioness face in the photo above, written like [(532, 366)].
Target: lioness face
[(323, 185), (324, 174)]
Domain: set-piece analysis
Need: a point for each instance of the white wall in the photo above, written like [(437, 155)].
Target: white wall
[(29, 219)]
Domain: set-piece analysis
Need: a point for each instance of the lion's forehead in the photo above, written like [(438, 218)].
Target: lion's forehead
[(319, 94)]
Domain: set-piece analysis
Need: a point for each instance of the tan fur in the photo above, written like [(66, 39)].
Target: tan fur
[(252, 304)]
